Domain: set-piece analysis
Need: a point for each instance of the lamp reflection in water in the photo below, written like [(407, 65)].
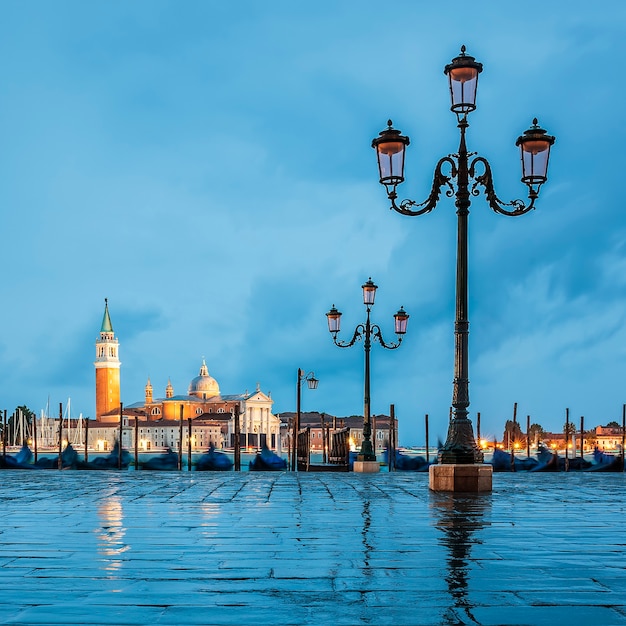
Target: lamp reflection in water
[(460, 518), (367, 545), (111, 544)]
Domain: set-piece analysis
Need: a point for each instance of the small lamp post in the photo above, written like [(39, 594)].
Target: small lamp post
[(367, 332), (469, 172), (312, 383)]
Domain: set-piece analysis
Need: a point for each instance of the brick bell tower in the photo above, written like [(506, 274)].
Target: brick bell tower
[(107, 367)]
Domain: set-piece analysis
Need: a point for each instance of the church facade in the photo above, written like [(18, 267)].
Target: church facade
[(204, 415)]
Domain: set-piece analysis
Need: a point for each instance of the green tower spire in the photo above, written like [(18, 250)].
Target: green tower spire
[(107, 327)]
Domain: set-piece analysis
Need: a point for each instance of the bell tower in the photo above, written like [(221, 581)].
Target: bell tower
[(107, 367)]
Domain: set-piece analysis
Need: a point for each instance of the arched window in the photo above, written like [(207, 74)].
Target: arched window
[(156, 411), (220, 410), (198, 411)]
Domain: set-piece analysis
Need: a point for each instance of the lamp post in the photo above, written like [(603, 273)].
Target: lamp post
[(312, 383), (367, 332), (465, 168)]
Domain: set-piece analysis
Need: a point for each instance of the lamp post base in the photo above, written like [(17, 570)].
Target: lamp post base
[(366, 467), (460, 478)]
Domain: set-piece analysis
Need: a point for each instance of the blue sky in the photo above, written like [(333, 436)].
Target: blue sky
[(207, 167)]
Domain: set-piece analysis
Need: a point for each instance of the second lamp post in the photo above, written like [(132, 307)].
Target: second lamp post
[(367, 332)]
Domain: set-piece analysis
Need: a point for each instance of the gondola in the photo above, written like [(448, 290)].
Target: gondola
[(214, 461), (407, 462), (603, 462), (166, 461), (69, 460), (111, 461), (267, 461), (22, 460), (501, 462)]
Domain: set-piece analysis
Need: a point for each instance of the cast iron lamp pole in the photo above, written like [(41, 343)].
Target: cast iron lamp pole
[(312, 383), (367, 331), (390, 145)]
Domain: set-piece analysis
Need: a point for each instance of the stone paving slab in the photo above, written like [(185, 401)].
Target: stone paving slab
[(285, 548)]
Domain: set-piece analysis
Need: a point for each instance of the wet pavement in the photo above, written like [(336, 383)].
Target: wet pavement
[(282, 548)]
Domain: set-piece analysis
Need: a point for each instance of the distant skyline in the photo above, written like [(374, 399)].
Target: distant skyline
[(207, 167)]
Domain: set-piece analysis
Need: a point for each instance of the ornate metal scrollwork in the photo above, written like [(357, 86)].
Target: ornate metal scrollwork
[(439, 181), (359, 331), (486, 180), (377, 334)]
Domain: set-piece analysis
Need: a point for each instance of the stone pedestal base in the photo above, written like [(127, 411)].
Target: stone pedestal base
[(460, 478), (366, 467)]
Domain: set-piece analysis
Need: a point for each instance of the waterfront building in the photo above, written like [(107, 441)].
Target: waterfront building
[(609, 437), (156, 421), (313, 420)]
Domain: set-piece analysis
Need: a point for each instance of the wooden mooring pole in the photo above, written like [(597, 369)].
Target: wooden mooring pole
[(35, 437), (188, 444), (238, 440), (119, 455), (582, 436), (60, 460), (566, 440), (289, 442), (391, 453), (180, 439), (512, 437), (86, 440), (426, 429), (4, 435), (528, 436), (623, 437), (136, 443)]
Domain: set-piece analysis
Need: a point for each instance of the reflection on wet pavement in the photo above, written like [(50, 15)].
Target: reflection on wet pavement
[(111, 533), (286, 548), (460, 517)]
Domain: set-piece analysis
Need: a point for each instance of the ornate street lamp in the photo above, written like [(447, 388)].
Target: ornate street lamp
[(463, 168), (367, 332), (312, 383)]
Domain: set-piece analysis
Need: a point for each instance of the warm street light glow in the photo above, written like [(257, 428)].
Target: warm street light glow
[(463, 82), (390, 147), (402, 319), (369, 292), (334, 320), (535, 146)]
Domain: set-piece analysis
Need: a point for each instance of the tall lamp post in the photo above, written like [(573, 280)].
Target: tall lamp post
[(367, 332), (312, 383), (464, 168)]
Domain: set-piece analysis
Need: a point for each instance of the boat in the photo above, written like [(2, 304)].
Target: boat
[(604, 462), (111, 461), (212, 460), (577, 464), (267, 461), (407, 462), (166, 461), (22, 460), (548, 461), (502, 462), (69, 460)]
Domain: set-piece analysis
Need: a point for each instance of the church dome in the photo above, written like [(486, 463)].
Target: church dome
[(203, 385)]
